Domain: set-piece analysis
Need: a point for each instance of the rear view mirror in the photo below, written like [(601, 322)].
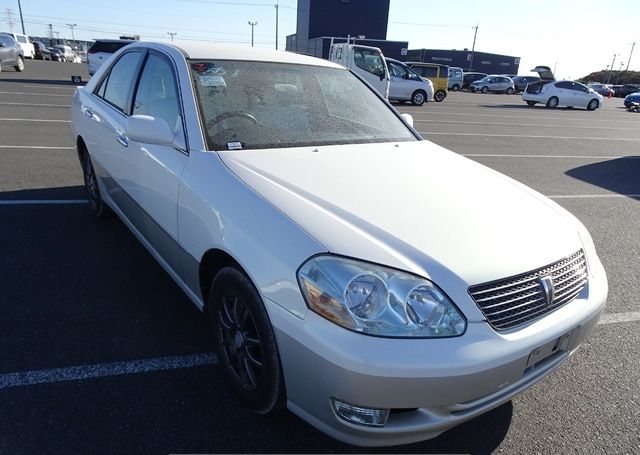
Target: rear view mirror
[(408, 118), (148, 130)]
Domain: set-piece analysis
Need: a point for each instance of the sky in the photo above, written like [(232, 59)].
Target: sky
[(575, 37)]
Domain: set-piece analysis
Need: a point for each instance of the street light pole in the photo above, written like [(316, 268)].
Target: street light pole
[(73, 36), (252, 24), (630, 54), (172, 34), (277, 6), (473, 48)]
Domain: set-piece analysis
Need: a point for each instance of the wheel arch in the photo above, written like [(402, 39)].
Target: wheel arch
[(212, 262), (81, 147)]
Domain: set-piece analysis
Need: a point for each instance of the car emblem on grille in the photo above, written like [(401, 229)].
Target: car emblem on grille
[(546, 283)]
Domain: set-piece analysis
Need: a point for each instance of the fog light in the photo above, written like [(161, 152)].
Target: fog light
[(362, 416)]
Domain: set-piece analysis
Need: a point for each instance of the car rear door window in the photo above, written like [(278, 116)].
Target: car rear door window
[(117, 86), (157, 94)]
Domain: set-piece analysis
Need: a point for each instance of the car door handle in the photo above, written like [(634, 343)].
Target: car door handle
[(88, 112), (122, 138)]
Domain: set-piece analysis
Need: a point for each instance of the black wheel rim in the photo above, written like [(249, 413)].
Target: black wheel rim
[(240, 342), (91, 184)]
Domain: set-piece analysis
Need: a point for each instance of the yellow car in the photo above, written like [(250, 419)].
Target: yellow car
[(437, 74)]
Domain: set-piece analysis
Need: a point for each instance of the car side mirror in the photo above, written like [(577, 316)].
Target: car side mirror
[(149, 130), (408, 118), (2, 45)]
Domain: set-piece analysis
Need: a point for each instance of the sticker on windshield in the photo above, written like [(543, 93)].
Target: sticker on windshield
[(234, 145), (212, 81)]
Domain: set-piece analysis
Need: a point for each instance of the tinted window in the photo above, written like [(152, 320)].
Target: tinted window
[(397, 70), (578, 87), (157, 95), (563, 84), (6, 41), (119, 82), (21, 39), (426, 71), (368, 60), (107, 46)]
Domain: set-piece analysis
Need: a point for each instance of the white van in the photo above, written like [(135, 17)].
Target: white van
[(406, 85), (455, 78), (366, 61), (67, 52), (25, 44)]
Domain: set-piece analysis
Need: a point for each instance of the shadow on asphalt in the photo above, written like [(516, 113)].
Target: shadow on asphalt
[(43, 81), (621, 175), (63, 192)]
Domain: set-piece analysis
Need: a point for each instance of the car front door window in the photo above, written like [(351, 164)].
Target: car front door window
[(117, 86)]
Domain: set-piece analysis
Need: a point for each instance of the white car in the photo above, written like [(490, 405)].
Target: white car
[(562, 93), (381, 287), (101, 50), (23, 40), (406, 85)]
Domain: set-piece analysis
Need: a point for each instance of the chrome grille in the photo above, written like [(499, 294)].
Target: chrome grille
[(512, 301)]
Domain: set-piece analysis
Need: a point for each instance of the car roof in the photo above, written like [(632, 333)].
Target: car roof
[(206, 51)]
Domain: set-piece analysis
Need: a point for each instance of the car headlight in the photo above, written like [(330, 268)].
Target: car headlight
[(378, 300)]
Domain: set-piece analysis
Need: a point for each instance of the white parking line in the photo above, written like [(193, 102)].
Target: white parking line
[(49, 86), (528, 125), (47, 147), (594, 196), (584, 157), (36, 94), (531, 136), (439, 113), (101, 370), (616, 318), (6, 103), (43, 201), (33, 120)]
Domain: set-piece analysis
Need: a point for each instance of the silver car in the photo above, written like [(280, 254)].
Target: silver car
[(493, 83), (406, 85)]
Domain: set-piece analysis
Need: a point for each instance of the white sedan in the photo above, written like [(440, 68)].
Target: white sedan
[(383, 288), (562, 93)]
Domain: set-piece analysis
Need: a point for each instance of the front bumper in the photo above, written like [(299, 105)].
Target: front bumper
[(443, 382)]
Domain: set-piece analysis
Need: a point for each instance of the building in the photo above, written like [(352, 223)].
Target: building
[(482, 62), (321, 21)]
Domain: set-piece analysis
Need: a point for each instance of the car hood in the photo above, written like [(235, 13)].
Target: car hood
[(413, 205)]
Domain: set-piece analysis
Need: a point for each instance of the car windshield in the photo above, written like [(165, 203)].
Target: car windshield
[(255, 105)]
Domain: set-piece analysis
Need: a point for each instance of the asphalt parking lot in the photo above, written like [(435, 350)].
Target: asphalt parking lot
[(103, 353)]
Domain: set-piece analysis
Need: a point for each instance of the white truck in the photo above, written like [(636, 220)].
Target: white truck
[(366, 61)]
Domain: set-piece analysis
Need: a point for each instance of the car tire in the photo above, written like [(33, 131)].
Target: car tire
[(439, 96), (19, 67), (553, 102), (593, 105), (485, 90), (455, 88), (509, 91), (245, 342), (531, 103), (418, 98), (96, 204)]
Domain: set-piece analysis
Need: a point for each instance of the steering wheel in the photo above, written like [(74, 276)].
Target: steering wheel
[(227, 115)]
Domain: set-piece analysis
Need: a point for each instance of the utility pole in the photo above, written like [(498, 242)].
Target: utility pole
[(73, 36), (473, 48), (9, 18), (51, 34), (21, 19), (171, 34), (630, 54), (252, 24), (612, 67), (277, 6)]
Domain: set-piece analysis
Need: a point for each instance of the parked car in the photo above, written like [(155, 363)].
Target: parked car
[(330, 243), (11, 54), (493, 83), (562, 93), (602, 89), (67, 53), (41, 51), (406, 85), (455, 78), (631, 98), (520, 82), (469, 77), (437, 74), (56, 54), (101, 50), (28, 50), (626, 89)]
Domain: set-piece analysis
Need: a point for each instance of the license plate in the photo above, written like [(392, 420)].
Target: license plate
[(559, 344)]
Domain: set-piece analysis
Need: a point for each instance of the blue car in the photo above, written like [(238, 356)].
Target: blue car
[(633, 98)]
